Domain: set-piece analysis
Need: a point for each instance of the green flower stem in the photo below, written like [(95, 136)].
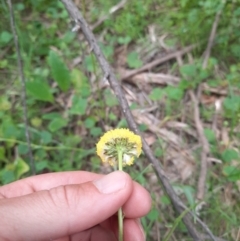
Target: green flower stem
[(120, 214)]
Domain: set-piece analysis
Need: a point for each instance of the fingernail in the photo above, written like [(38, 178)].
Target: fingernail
[(138, 221), (111, 183)]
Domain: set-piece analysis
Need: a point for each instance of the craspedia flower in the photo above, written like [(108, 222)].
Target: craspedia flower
[(117, 141)]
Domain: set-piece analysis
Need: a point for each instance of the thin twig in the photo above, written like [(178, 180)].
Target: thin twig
[(199, 125), (160, 61), (211, 39), (177, 203), (112, 10), (205, 147), (22, 78)]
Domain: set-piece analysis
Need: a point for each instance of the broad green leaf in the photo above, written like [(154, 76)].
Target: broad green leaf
[(79, 106), (41, 165), (89, 122), (81, 83), (4, 103), (232, 103), (90, 63), (153, 215), (232, 173), (229, 155), (2, 153), (39, 90), (124, 40), (46, 137), (96, 131), (7, 176), (133, 60), (174, 93), (188, 70), (210, 135), (57, 124), (110, 99), (21, 167), (59, 71), (156, 94), (22, 149), (5, 37)]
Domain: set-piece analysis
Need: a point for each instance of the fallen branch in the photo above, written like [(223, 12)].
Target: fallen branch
[(111, 11), (211, 39), (108, 73), (205, 145), (22, 78), (160, 61)]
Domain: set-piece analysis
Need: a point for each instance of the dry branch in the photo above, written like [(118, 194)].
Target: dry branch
[(211, 39), (108, 73), (160, 61), (22, 78), (199, 125), (205, 147)]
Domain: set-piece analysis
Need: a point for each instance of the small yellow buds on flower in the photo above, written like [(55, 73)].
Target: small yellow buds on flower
[(121, 141)]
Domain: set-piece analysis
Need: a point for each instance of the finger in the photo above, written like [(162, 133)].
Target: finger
[(46, 182), (63, 210), (139, 203), (133, 230), (96, 233), (29, 185)]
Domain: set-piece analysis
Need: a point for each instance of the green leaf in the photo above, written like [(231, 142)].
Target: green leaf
[(156, 94), (90, 63), (39, 90), (124, 40), (133, 60), (2, 153), (59, 71), (21, 167), (188, 70), (110, 99), (41, 165), (174, 93), (22, 149), (232, 173), (5, 37), (210, 135), (89, 122), (79, 106), (232, 103), (189, 193), (153, 215), (7, 176), (96, 131), (229, 155), (57, 124), (46, 137), (81, 83)]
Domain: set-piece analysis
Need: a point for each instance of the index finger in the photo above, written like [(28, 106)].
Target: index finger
[(46, 182)]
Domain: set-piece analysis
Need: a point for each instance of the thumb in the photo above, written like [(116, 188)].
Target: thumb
[(64, 210)]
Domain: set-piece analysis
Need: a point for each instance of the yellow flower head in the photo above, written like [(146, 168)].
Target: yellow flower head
[(123, 140)]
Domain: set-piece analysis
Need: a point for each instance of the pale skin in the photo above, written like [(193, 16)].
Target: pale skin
[(76, 206)]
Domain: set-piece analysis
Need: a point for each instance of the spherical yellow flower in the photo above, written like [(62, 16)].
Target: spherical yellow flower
[(119, 140)]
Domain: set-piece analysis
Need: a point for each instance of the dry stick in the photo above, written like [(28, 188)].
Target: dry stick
[(199, 125), (111, 11), (22, 78), (177, 203), (211, 39), (205, 147), (159, 61)]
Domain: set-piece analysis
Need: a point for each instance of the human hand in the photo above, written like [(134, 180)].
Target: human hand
[(72, 206)]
